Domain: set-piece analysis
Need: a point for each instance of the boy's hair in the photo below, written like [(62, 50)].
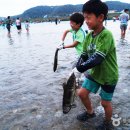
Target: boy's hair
[(96, 7), (78, 18), (8, 17), (126, 10)]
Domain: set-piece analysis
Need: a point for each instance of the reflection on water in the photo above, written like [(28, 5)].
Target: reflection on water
[(28, 35), (11, 41)]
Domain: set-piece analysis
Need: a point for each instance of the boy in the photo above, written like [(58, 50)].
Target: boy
[(99, 50), (18, 25), (76, 21), (8, 24), (27, 26), (124, 17)]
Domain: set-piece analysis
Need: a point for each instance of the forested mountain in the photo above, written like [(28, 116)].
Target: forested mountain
[(42, 11), (65, 10), (119, 6)]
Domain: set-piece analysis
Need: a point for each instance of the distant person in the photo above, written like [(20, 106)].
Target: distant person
[(114, 19), (59, 20), (100, 52), (27, 26), (76, 21), (18, 24), (56, 20), (8, 23), (3, 24), (124, 17)]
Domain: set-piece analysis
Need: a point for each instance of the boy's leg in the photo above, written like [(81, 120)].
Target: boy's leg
[(122, 31), (125, 27), (106, 94), (108, 109), (107, 123), (84, 96), (89, 113), (87, 87)]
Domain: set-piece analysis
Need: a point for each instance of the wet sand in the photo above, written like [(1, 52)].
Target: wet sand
[(31, 93)]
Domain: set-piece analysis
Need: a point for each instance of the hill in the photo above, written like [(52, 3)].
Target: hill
[(66, 10), (50, 11)]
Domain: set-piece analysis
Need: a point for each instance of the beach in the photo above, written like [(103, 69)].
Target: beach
[(31, 93)]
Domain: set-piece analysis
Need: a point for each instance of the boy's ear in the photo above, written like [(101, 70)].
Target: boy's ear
[(101, 17)]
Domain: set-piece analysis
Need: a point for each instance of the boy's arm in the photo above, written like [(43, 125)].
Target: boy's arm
[(75, 43), (64, 34), (93, 61), (78, 39)]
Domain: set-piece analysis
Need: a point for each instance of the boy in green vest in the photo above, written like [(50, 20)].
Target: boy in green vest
[(99, 55), (76, 21)]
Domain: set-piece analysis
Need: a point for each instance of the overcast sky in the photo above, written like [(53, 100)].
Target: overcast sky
[(14, 7)]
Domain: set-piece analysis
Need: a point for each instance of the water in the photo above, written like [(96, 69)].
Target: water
[(31, 93)]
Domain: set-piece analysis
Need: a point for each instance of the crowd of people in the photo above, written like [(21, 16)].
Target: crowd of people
[(8, 22)]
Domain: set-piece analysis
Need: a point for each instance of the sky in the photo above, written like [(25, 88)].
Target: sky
[(15, 7)]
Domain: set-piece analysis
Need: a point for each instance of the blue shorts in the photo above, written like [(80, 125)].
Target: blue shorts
[(106, 91), (123, 26)]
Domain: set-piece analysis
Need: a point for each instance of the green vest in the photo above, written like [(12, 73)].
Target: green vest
[(103, 44), (78, 36)]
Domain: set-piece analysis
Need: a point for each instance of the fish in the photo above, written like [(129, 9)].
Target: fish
[(55, 60), (69, 93)]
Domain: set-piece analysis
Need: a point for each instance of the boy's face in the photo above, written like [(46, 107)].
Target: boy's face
[(74, 25), (127, 12), (92, 21)]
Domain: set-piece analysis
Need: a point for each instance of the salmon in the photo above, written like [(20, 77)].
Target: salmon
[(69, 92), (55, 60)]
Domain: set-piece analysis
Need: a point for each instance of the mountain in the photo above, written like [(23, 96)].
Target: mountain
[(116, 5), (41, 11), (65, 10)]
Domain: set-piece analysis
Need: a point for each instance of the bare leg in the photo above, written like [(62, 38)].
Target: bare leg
[(122, 33), (108, 109), (84, 96)]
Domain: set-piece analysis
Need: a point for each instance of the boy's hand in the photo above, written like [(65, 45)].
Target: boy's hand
[(61, 46)]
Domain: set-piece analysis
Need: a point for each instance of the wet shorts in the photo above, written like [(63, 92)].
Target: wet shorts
[(8, 28), (123, 26), (106, 91), (19, 27)]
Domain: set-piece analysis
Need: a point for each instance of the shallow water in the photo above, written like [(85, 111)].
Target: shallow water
[(31, 93)]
